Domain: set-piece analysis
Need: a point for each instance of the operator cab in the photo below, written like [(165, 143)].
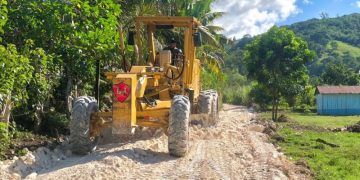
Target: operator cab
[(171, 60)]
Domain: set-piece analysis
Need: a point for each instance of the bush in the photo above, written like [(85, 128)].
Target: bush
[(237, 89), (4, 139), (259, 96), (237, 95), (55, 123), (305, 108)]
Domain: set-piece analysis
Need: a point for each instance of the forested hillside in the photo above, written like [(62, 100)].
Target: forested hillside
[(335, 40), (321, 31)]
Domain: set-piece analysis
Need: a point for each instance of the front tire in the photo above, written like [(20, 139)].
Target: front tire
[(81, 142), (178, 139)]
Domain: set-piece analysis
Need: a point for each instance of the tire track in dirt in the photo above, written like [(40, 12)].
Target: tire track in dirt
[(235, 148)]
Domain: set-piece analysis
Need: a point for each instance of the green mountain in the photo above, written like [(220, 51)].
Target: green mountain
[(336, 52), (319, 32), (335, 40), (342, 48)]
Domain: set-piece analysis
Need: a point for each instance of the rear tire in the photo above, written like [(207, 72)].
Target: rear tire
[(178, 139), (209, 104), (215, 106), (205, 102), (81, 142)]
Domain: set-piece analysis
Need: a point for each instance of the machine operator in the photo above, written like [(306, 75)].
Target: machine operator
[(175, 52)]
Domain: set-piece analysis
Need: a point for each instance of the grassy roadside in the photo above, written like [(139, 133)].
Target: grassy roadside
[(301, 141), (18, 143), (312, 119)]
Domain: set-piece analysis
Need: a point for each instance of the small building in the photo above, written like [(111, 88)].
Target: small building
[(338, 100)]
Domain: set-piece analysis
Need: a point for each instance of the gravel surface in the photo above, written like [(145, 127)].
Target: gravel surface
[(235, 148)]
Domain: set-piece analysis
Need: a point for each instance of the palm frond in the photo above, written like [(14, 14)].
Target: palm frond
[(212, 59), (213, 62), (147, 10), (215, 29), (208, 37), (215, 58), (210, 17)]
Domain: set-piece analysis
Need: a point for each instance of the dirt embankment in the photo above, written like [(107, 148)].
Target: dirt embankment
[(236, 148)]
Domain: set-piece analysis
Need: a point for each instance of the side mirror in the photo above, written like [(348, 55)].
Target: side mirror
[(197, 39), (131, 38)]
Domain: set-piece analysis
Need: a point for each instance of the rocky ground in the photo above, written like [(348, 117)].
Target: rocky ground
[(235, 148)]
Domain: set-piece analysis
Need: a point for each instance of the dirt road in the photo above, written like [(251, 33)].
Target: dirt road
[(235, 148)]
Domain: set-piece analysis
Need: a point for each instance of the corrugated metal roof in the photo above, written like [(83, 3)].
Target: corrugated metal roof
[(338, 90)]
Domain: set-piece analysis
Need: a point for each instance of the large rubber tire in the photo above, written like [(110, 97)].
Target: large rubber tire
[(215, 106), (209, 104), (81, 142), (205, 102), (178, 140)]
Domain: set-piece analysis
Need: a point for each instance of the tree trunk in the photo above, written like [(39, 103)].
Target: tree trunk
[(76, 92), (97, 82), (273, 110), (137, 55), (5, 112), (68, 98), (276, 109), (39, 116)]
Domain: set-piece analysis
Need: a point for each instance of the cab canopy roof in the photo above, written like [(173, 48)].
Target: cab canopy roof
[(177, 21)]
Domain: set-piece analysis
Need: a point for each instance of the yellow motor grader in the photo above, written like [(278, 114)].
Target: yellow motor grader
[(161, 94)]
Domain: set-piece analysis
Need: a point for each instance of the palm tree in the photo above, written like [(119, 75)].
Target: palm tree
[(212, 52)]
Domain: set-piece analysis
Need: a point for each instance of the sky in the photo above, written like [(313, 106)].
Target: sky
[(257, 16)]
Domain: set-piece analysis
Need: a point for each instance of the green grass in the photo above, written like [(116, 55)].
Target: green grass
[(344, 47), (326, 162), (312, 119), (13, 142)]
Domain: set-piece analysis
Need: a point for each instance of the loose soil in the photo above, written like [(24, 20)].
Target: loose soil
[(234, 148), (30, 143)]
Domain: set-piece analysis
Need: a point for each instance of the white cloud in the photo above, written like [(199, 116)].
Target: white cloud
[(307, 2), (358, 3), (252, 16)]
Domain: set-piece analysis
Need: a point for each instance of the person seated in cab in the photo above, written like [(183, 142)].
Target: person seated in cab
[(175, 52)]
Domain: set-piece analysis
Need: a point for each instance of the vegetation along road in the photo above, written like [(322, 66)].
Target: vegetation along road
[(235, 148)]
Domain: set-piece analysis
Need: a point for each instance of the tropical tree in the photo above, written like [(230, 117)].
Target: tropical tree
[(50, 49), (3, 15), (338, 74), (62, 40), (212, 52), (15, 72), (276, 60)]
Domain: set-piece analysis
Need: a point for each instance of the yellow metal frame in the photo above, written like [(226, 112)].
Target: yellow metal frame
[(134, 111), (190, 24)]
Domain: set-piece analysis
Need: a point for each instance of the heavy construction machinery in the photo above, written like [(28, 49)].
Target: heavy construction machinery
[(161, 94)]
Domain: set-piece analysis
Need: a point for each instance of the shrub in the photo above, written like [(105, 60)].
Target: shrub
[(4, 139), (55, 123), (259, 96), (237, 89), (305, 108)]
